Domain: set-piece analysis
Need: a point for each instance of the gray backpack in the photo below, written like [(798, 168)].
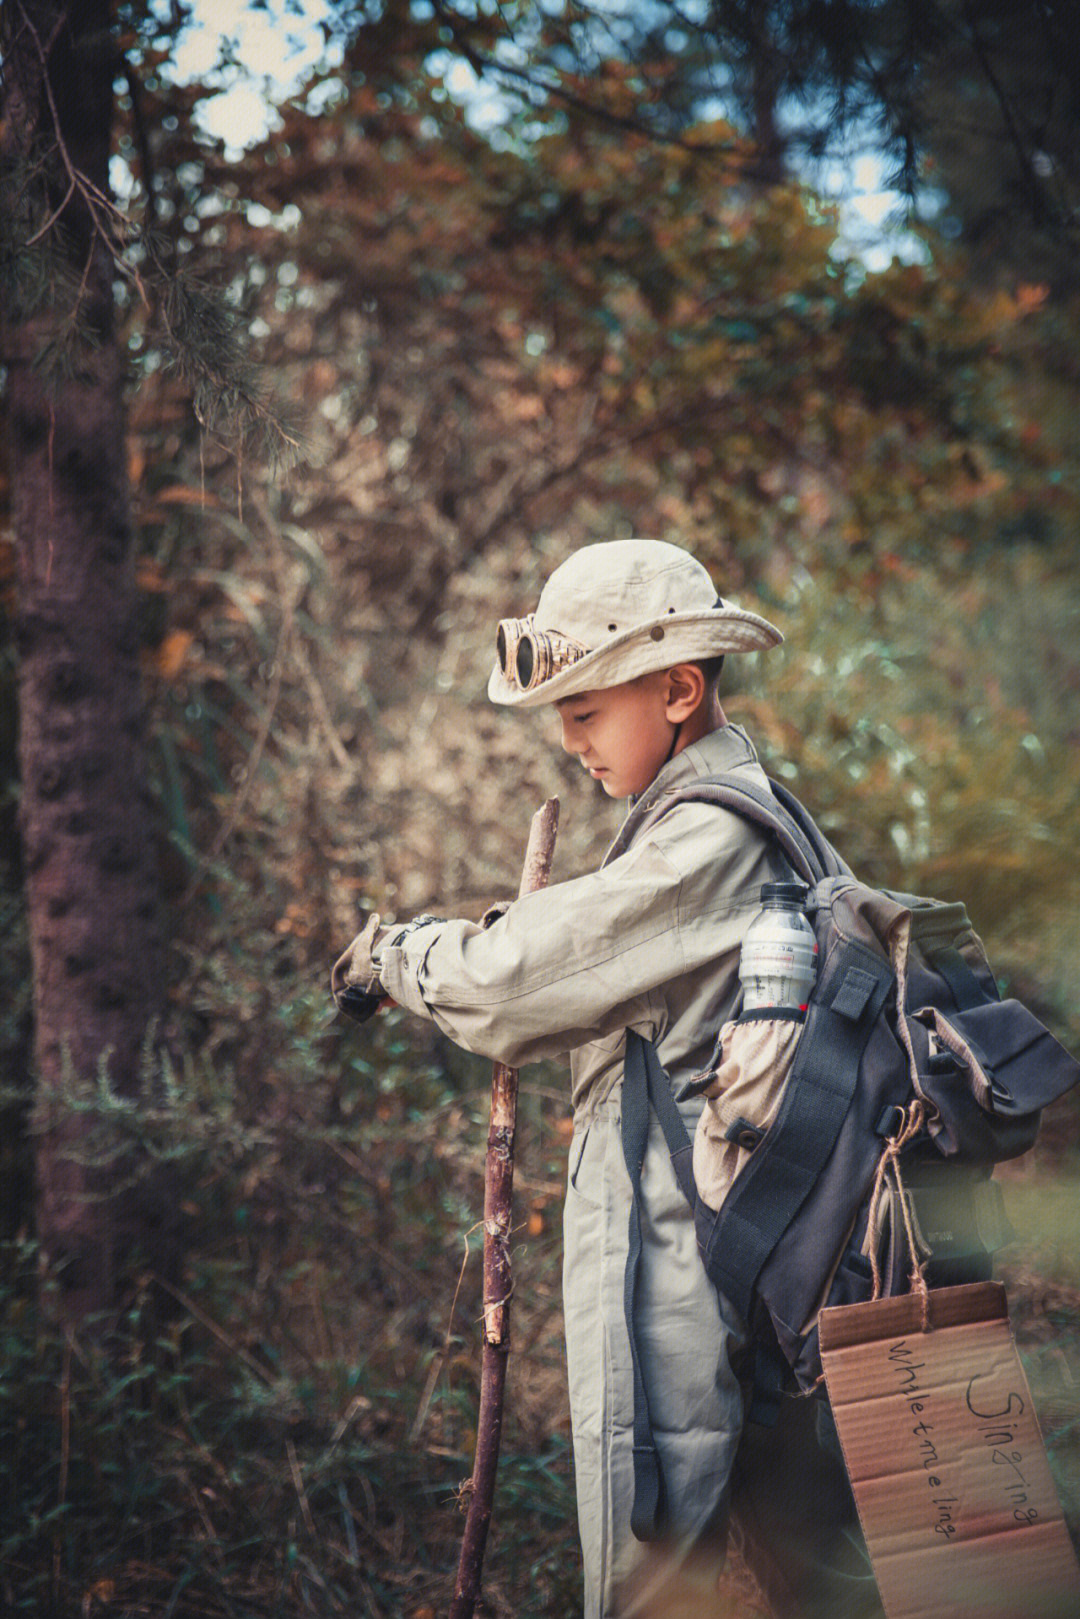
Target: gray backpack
[(886, 1028)]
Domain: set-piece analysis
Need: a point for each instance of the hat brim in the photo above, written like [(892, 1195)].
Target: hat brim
[(676, 638)]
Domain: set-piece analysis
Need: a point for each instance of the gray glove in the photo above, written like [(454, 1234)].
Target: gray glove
[(355, 977), (354, 981)]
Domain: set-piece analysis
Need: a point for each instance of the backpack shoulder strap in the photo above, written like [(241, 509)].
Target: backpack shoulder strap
[(775, 809), (646, 1089), (833, 864)]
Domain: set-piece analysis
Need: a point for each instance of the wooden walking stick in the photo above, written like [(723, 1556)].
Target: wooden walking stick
[(498, 1283)]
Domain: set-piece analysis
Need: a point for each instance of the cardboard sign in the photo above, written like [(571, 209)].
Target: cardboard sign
[(946, 1460)]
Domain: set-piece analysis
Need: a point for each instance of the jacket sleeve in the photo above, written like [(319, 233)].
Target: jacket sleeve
[(583, 959)]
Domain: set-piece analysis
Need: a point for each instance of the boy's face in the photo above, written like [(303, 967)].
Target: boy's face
[(623, 735)]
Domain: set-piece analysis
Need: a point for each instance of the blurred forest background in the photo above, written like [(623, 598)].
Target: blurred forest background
[(290, 425)]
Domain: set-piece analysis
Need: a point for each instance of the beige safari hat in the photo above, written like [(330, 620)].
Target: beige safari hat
[(614, 611)]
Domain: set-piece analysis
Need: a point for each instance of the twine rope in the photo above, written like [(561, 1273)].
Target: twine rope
[(887, 1181)]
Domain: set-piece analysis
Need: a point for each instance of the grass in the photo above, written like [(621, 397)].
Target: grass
[(293, 1440), (286, 1431)]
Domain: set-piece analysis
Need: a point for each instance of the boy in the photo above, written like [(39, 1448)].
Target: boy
[(627, 642)]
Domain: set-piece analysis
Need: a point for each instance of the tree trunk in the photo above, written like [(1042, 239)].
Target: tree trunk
[(86, 818)]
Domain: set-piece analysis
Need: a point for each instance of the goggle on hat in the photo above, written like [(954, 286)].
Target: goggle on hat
[(614, 611)]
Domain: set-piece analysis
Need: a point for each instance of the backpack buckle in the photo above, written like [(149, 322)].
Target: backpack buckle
[(891, 1122)]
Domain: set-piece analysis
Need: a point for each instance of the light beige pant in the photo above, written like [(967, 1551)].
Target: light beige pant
[(694, 1398)]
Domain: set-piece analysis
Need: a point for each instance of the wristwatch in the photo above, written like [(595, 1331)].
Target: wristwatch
[(394, 937)]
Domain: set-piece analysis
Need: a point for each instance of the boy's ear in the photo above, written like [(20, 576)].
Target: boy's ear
[(686, 690)]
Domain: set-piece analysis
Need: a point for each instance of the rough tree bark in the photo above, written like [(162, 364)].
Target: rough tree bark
[(86, 819)]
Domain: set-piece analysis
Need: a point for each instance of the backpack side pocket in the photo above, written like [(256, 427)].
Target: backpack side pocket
[(991, 1069), (743, 1094)]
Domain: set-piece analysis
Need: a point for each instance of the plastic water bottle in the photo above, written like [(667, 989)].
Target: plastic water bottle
[(778, 964)]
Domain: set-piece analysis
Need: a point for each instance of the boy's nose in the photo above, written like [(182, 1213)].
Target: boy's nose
[(571, 743)]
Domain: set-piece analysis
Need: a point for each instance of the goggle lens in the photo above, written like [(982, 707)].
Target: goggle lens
[(526, 662), (507, 636), (528, 656)]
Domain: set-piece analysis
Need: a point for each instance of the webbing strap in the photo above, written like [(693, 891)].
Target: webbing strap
[(966, 990), (646, 1088), (754, 804), (832, 864), (783, 1171), (773, 808)]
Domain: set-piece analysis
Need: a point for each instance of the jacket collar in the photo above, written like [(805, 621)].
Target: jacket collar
[(721, 750)]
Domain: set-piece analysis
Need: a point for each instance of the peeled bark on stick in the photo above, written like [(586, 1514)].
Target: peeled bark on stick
[(498, 1280)]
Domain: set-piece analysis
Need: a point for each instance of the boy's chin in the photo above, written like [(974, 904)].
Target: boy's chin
[(614, 789), (614, 786)]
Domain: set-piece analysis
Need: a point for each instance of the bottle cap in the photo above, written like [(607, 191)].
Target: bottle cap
[(793, 893)]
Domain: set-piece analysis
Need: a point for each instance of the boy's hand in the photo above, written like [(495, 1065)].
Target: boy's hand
[(354, 981)]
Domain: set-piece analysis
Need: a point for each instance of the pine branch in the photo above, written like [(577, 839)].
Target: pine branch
[(202, 333)]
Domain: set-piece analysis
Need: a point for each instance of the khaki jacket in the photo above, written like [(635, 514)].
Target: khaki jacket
[(650, 942)]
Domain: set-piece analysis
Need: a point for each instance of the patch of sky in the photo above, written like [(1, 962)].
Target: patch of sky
[(483, 101), (254, 57), (873, 218)]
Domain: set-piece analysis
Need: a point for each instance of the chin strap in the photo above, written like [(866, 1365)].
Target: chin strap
[(674, 745)]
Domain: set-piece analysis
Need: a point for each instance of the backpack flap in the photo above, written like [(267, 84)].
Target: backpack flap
[(959, 1220), (991, 1068)]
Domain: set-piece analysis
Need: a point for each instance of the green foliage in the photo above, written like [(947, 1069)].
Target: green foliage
[(167, 1484), (934, 736), (35, 267), (292, 1423), (232, 398), (971, 108), (47, 251)]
